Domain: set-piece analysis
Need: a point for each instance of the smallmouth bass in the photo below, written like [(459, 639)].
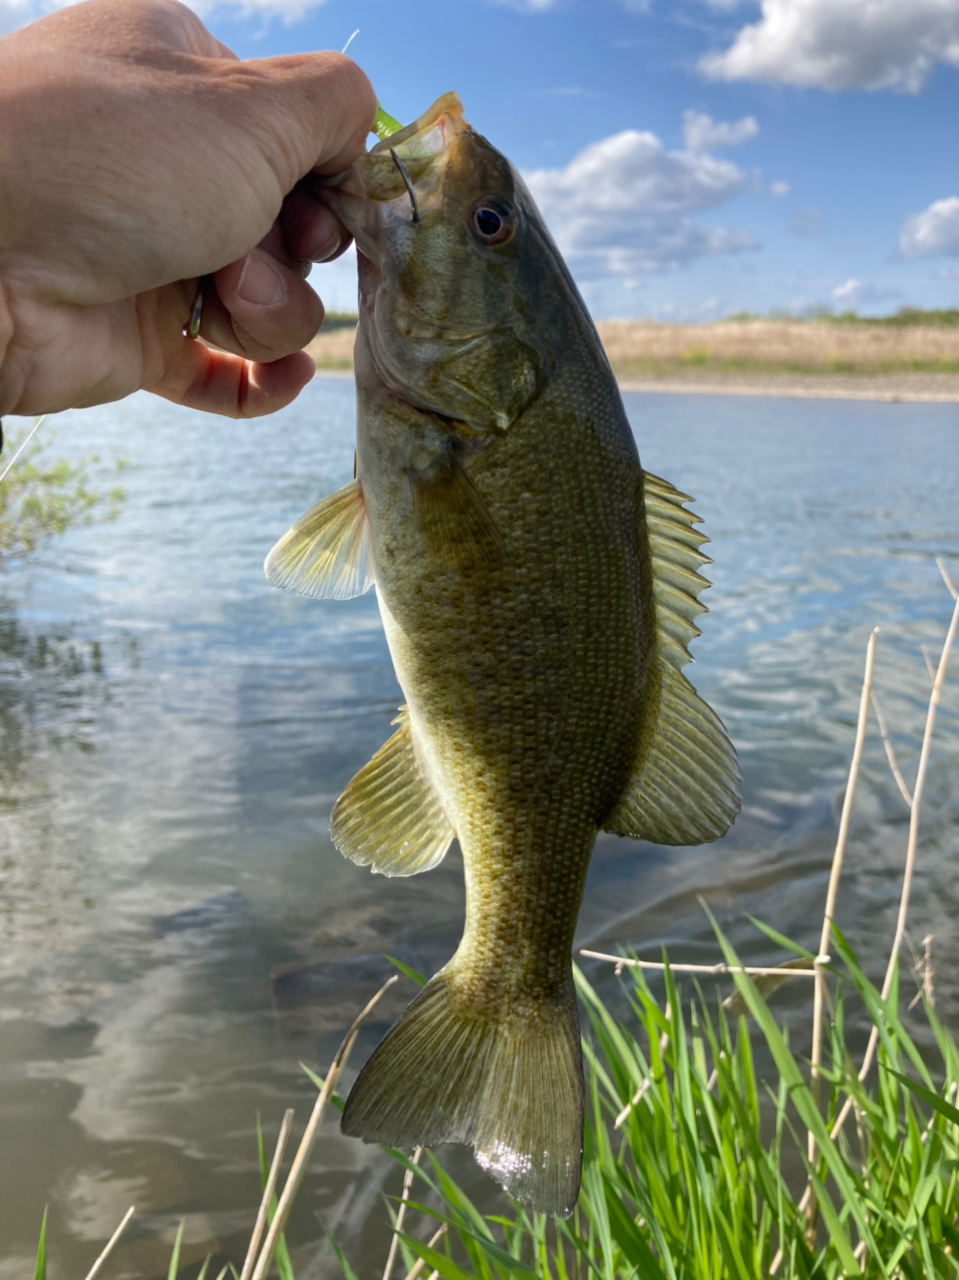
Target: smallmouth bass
[(538, 591)]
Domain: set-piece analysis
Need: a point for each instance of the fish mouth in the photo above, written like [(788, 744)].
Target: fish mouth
[(428, 136), (400, 179)]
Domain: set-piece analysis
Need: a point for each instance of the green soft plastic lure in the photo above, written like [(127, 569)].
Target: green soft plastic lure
[(384, 125)]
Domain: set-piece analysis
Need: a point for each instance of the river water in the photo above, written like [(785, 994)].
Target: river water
[(177, 932)]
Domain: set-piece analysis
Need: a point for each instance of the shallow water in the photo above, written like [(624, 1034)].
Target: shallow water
[(176, 930)]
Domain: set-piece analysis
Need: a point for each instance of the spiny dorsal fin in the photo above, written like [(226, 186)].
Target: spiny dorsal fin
[(686, 785), (674, 547), (326, 554), (388, 818)]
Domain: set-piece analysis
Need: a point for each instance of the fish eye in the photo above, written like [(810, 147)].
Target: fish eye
[(491, 222)]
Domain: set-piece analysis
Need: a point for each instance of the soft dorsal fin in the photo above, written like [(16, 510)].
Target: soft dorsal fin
[(686, 784), (676, 558), (389, 818), (326, 554)]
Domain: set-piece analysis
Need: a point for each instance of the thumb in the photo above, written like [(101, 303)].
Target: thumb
[(310, 111)]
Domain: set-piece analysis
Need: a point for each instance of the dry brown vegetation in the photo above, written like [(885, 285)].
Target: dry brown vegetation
[(788, 346), (333, 350), (647, 348)]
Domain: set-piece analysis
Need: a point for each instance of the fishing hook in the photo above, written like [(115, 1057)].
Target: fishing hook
[(409, 186)]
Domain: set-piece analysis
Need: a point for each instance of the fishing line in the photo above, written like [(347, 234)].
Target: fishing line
[(30, 435)]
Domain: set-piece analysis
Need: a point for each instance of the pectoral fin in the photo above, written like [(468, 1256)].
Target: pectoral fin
[(326, 554), (389, 818), (453, 518), (686, 784)]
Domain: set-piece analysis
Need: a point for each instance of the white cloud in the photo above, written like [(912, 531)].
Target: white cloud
[(779, 188), (842, 44), (624, 206), (528, 6), (703, 133), (934, 233), (17, 13), (854, 294), (847, 293)]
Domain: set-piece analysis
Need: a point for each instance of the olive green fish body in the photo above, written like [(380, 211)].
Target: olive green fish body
[(523, 677), (537, 591)]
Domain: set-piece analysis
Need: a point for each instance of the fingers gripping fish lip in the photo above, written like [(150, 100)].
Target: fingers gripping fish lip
[(404, 170)]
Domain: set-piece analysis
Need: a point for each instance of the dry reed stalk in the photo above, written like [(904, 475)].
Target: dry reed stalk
[(621, 962), (418, 1267), (890, 754), (108, 1248), (37, 423), (400, 1216), (911, 843), (834, 873), (267, 1196), (913, 839), (940, 565), (298, 1168), (646, 1084)]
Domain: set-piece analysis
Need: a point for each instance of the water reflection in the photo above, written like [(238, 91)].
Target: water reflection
[(179, 932)]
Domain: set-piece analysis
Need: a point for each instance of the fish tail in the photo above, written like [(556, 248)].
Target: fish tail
[(510, 1084)]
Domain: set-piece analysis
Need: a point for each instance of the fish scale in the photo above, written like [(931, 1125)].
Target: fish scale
[(538, 591)]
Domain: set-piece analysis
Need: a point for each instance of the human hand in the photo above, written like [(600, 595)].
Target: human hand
[(137, 155)]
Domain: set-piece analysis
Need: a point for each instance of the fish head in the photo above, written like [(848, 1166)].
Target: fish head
[(452, 280)]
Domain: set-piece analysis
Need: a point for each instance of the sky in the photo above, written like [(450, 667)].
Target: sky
[(693, 158)]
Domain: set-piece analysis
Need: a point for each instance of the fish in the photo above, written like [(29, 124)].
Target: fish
[(538, 591)]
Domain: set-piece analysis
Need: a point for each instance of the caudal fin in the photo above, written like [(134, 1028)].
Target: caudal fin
[(512, 1088)]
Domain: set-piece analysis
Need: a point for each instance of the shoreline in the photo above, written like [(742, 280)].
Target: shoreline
[(892, 388), (792, 359)]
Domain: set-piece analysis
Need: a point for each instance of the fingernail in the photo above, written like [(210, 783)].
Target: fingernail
[(259, 282), (330, 248)]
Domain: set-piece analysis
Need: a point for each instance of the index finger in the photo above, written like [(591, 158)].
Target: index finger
[(308, 111)]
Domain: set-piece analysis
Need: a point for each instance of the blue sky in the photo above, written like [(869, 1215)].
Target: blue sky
[(693, 157)]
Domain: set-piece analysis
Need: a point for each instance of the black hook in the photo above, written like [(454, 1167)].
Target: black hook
[(409, 186)]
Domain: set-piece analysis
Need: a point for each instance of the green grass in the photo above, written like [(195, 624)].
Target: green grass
[(704, 1180), (706, 362), (338, 320), (903, 318)]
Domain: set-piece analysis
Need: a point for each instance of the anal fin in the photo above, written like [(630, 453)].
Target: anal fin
[(388, 817), (326, 554)]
